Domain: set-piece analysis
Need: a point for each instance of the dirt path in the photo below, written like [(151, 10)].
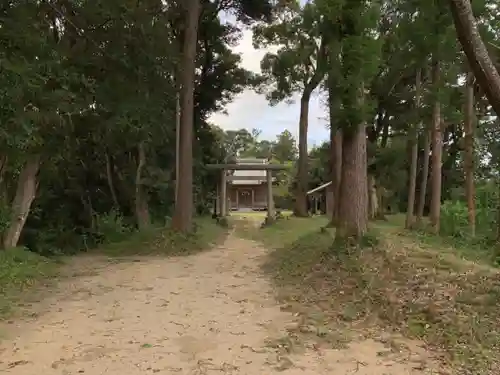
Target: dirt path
[(205, 314)]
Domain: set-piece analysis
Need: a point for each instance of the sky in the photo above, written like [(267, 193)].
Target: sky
[(250, 110)]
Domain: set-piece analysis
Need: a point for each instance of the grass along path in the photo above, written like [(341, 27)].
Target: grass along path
[(398, 286)]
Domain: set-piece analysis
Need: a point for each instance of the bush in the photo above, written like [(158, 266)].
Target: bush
[(112, 228), (455, 221), (455, 225), (165, 241)]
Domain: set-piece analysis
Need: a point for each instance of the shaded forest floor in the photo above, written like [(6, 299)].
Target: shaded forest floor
[(384, 310)]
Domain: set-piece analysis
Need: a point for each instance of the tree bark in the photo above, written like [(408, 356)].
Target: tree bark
[(310, 85), (385, 134), (183, 215), (373, 201), (300, 209), (425, 177), (469, 125), (141, 200), (498, 216), (3, 167), (25, 194), (336, 174), (3, 188), (437, 151), (335, 145), (412, 185), (353, 202), (111, 185), (177, 142), (477, 54)]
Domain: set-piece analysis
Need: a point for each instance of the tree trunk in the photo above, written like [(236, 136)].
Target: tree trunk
[(3, 188), (477, 54), (373, 201), (111, 185), (3, 167), (353, 202), (498, 216), (336, 174), (412, 185), (335, 145), (425, 177), (25, 193), (338, 171), (177, 142), (302, 170), (141, 200), (385, 135), (437, 151), (183, 215), (469, 122)]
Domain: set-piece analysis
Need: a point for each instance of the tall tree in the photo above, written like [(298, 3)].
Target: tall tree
[(358, 47), (285, 148), (436, 146), (297, 67), (413, 142), (469, 125), (183, 216)]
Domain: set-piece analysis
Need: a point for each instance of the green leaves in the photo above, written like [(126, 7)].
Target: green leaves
[(298, 59), (82, 84)]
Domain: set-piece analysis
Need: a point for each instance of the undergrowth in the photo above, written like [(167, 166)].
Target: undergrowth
[(476, 249), (166, 242), (21, 269), (421, 292)]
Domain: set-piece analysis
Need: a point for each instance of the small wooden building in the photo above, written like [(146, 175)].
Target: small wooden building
[(247, 189), (321, 199), (240, 189)]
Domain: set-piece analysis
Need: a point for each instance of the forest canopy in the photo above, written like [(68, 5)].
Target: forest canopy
[(93, 94)]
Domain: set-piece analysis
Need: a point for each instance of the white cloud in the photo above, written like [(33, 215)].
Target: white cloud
[(251, 110)]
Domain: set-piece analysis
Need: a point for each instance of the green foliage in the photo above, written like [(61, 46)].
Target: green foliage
[(111, 228), (166, 242), (455, 223), (84, 84), (298, 66)]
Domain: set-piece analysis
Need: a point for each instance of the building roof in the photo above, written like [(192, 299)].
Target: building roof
[(255, 174)]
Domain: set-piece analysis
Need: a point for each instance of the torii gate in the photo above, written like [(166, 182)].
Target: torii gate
[(269, 168)]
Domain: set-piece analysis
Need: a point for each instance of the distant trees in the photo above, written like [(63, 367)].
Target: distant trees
[(87, 122), (298, 67), (89, 101), (397, 115)]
